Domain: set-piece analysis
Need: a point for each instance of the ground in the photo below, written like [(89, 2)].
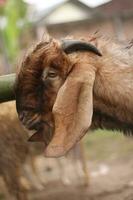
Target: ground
[(108, 181), (109, 166), (110, 169)]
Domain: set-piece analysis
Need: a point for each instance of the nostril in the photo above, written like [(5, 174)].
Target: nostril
[(22, 116)]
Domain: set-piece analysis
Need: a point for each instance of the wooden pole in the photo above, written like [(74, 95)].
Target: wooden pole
[(7, 88)]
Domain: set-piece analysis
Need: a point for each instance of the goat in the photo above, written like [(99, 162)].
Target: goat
[(15, 154), (17, 158), (13, 151), (63, 88)]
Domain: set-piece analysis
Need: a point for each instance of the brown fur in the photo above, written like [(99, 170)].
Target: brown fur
[(33, 96), (13, 151), (112, 90), (16, 155), (113, 87)]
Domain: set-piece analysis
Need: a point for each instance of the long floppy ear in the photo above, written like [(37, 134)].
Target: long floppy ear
[(72, 110)]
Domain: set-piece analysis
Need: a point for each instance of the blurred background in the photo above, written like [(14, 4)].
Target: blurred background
[(101, 166)]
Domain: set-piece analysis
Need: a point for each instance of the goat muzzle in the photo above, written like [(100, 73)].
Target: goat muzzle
[(43, 134)]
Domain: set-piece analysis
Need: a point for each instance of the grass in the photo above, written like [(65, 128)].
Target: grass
[(1, 197), (106, 145)]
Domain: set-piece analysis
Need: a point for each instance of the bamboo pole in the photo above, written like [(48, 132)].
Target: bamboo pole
[(7, 88)]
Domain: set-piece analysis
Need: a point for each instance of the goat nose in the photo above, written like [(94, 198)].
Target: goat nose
[(22, 116)]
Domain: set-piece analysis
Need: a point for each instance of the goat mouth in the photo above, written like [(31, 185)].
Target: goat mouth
[(33, 124), (43, 133)]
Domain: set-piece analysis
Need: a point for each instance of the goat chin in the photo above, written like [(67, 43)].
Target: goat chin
[(94, 91)]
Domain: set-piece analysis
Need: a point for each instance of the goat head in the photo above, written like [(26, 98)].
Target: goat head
[(53, 94)]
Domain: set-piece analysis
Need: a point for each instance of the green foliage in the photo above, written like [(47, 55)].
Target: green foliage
[(14, 13), (106, 145), (1, 197)]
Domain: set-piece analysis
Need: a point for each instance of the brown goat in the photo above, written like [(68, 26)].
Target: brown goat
[(66, 87), (13, 151), (16, 157)]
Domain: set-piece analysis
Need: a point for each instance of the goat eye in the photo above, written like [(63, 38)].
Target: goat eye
[(52, 74)]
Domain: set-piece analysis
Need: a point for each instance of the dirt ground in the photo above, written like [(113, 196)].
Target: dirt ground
[(109, 164), (110, 171), (108, 181)]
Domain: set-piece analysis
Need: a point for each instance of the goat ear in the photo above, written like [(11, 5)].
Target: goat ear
[(72, 111)]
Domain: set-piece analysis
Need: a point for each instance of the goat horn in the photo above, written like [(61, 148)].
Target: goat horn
[(70, 46)]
